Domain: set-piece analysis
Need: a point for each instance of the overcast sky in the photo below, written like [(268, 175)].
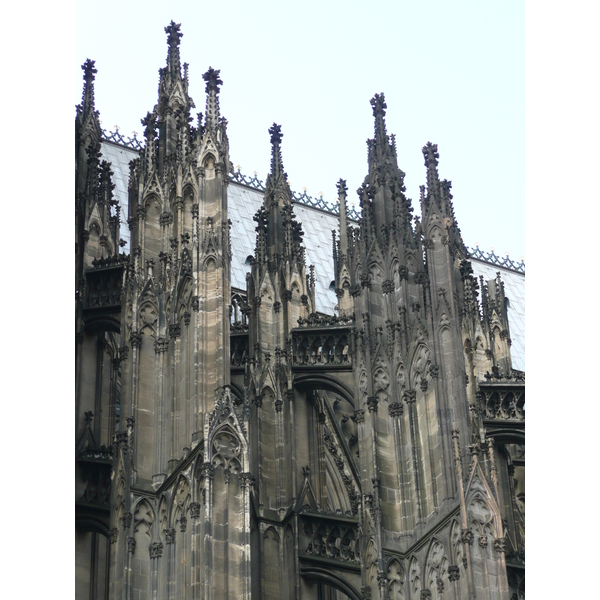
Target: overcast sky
[(452, 73)]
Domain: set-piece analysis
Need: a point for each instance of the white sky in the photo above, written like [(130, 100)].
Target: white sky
[(452, 73)]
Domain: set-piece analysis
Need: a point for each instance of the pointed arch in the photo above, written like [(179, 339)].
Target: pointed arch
[(396, 578), (271, 566), (414, 577), (143, 519)]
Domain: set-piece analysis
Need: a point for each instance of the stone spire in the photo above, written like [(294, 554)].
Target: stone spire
[(276, 160), (173, 30), (379, 106), (342, 191), (213, 81), (89, 75), (87, 126), (384, 183), (438, 197), (431, 155)]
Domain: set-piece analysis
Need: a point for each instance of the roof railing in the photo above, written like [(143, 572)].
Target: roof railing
[(129, 142), (303, 198), (492, 258)]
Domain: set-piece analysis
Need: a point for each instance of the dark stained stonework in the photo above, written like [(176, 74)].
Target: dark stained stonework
[(242, 444)]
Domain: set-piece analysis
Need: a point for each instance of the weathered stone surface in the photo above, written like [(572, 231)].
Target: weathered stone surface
[(241, 444)]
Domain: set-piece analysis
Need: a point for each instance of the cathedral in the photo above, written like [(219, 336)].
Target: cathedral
[(278, 397)]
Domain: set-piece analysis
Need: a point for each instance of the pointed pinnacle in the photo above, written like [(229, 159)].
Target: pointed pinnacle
[(89, 70), (89, 74), (213, 80), (378, 104), (430, 152), (276, 160), (173, 30), (175, 35)]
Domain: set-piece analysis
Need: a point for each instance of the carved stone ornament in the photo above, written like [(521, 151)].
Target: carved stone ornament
[(410, 396), (372, 404), (113, 535), (136, 340), (126, 520), (355, 290), (246, 479), (500, 545), (131, 545), (304, 299), (287, 295), (170, 536), (195, 303), (258, 400), (207, 470), (182, 523), (387, 286), (174, 331), (420, 277), (290, 395), (453, 573), (277, 306), (434, 371), (195, 510), (187, 317), (278, 404), (395, 409), (226, 475), (483, 541), (161, 345), (156, 550), (425, 594), (359, 416), (424, 384), (166, 218), (466, 536), (365, 592), (440, 585)]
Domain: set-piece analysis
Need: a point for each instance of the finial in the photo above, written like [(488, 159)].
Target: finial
[(276, 135), (276, 160), (213, 81), (379, 105), (89, 74), (149, 122), (173, 30), (174, 35), (89, 70), (342, 188), (430, 152)]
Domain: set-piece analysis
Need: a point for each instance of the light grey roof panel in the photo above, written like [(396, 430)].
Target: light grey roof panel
[(119, 157), (514, 288), (317, 226)]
